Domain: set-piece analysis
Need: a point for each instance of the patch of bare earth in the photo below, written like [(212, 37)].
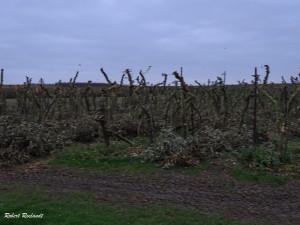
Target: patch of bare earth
[(213, 191)]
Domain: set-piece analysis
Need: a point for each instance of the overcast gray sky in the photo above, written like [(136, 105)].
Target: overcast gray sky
[(53, 39)]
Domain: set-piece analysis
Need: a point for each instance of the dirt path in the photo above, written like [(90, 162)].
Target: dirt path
[(214, 191)]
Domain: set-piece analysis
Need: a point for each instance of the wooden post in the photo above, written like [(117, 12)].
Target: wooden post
[(2, 76), (255, 95), (2, 94)]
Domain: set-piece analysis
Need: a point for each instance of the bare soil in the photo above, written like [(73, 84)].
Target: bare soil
[(211, 192)]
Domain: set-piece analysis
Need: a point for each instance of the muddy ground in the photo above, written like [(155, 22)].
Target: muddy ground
[(213, 191)]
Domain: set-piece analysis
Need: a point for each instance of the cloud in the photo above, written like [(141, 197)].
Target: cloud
[(50, 38)]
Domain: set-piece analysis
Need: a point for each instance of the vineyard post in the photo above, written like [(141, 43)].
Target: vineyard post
[(86, 94), (102, 119), (3, 101), (2, 77), (255, 94)]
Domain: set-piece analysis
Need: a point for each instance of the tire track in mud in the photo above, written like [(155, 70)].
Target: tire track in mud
[(213, 191)]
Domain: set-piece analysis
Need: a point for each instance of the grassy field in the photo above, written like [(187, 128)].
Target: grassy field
[(118, 158), (78, 208)]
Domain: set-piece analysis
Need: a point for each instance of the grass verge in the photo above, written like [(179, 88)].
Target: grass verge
[(258, 176), (117, 158), (79, 208)]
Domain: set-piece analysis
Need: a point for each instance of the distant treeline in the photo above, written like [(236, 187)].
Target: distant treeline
[(63, 84)]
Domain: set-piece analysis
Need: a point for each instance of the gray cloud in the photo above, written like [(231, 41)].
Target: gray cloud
[(50, 39)]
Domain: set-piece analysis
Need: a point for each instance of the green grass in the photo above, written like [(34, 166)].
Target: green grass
[(258, 176), (256, 160), (294, 146), (109, 164), (116, 158), (193, 170), (79, 208)]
